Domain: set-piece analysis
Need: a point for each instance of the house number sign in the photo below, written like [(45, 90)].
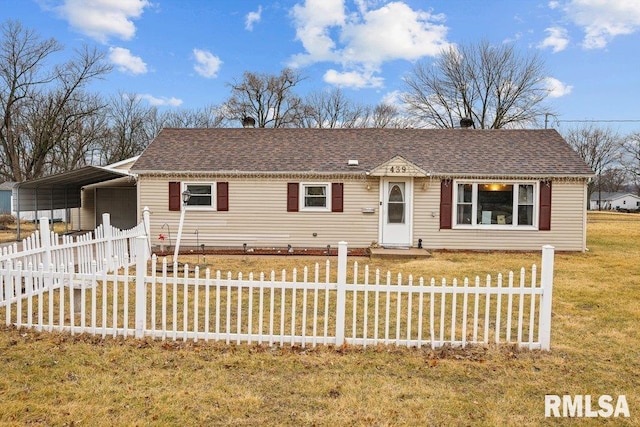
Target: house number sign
[(398, 169)]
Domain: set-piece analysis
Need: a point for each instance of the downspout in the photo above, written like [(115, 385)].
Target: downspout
[(35, 217), (51, 208), (584, 221)]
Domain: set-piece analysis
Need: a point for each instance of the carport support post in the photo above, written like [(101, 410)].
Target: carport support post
[(141, 291), (341, 293)]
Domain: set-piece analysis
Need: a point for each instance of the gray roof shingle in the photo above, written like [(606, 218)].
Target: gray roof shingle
[(538, 152)]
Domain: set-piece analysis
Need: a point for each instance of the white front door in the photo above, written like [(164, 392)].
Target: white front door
[(396, 212)]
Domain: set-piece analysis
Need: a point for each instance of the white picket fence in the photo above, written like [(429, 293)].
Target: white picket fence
[(306, 307), (49, 249)]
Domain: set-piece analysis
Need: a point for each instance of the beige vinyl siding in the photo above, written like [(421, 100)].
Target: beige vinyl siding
[(567, 224), (87, 213), (258, 216), (85, 218)]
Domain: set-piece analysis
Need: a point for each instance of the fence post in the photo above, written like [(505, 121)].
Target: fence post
[(141, 291), (108, 237), (146, 220), (45, 241), (341, 293), (546, 283)]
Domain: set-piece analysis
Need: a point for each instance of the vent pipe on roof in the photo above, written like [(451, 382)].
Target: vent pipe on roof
[(466, 122), (248, 122)]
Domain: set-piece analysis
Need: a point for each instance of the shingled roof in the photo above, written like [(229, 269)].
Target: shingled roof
[(460, 152)]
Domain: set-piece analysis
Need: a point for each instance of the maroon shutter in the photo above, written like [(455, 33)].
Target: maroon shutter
[(545, 206), (446, 204), (337, 204), (222, 196), (292, 197), (175, 199)]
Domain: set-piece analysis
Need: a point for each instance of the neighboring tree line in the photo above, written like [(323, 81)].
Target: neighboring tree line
[(614, 158), (50, 122)]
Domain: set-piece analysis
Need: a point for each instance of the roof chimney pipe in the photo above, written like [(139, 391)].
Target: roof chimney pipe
[(466, 122), (248, 122)]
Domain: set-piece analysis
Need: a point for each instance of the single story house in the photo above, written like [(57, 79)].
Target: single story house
[(614, 201), (452, 189)]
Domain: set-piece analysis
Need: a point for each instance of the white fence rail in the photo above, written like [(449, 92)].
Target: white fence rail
[(52, 250), (305, 307)]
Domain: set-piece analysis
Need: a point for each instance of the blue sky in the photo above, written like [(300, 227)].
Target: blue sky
[(183, 53)]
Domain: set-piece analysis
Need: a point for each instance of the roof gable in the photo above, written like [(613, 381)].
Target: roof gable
[(398, 166)]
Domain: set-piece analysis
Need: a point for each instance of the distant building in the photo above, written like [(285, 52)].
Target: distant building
[(5, 197), (613, 201)]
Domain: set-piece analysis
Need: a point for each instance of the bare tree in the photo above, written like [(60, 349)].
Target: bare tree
[(128, 120), (331, 109), (132, 125), (81, 141), (631, 158), (387, 116), (211, 116), (494, 86), (612, 180), (268, 99), (599, 148), (41, 106)]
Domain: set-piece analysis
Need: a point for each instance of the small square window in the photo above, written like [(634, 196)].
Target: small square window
[(201, 195), (315, 197)]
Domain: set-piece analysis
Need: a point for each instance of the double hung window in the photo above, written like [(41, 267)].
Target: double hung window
[(315, 197)]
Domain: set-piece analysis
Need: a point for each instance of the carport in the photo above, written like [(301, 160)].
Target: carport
[(62, 191)]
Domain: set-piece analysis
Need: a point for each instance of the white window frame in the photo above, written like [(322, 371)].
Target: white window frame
[(212, 207), (301, 197), (474, 203)]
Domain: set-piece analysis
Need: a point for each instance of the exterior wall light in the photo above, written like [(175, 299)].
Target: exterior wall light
[(186, 195)]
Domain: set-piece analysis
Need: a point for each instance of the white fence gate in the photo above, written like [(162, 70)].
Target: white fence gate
[(306, 307)]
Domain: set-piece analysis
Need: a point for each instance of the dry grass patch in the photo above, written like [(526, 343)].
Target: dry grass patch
[(54, 379), (8, 232)]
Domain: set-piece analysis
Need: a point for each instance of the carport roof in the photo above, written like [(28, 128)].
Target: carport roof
[(62, 190)]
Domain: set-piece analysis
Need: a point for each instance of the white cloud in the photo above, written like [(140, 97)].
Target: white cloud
[(313, 23), (603, 20), (207, 64), (126, 62), (353, 79), (252, 18), (395, 31), (102, 19), (365, 38), (393, 98), (557, 39), (556, 88), (161, 101), (553, 4)]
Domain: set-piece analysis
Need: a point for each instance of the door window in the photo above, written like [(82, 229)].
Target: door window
[(396, 202)]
